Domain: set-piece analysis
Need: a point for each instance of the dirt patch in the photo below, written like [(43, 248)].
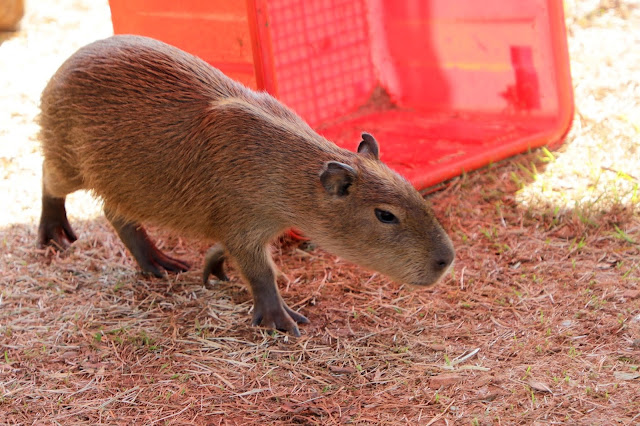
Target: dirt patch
[(538, 323)]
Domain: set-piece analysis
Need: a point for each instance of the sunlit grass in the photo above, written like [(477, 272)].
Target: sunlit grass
[(599, 165)]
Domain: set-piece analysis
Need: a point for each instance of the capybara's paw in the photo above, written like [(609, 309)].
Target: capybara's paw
[(299, 318), (171, 264), (58, 235), (158, 262), (214, 264), (279, 317)]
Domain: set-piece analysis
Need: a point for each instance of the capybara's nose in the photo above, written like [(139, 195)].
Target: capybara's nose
[(443, 259)]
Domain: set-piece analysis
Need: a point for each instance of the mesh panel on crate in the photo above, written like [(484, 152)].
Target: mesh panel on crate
[(322, 56)]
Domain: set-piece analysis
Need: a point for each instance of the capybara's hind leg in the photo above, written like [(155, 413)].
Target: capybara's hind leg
[(54, 226), (149, 258)]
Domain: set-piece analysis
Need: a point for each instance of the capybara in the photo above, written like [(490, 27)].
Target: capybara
[(163, 138)]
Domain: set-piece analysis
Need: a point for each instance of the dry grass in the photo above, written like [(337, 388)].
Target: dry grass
[(539, 322)]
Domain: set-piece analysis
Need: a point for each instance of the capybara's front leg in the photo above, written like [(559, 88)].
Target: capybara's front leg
[(149, 258), (269, 310)]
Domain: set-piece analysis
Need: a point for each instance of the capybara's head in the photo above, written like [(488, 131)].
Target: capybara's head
[(372, 216)]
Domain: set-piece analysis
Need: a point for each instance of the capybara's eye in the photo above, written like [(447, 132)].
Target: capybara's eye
[(385, 216)]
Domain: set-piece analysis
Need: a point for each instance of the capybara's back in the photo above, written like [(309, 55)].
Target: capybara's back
[(131, 118), (164, 138)]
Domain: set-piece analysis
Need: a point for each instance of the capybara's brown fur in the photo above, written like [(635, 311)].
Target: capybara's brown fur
[(164, 138)]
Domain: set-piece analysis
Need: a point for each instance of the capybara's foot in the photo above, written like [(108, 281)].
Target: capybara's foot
[(279, 317), (214, 264), (54, 226), (151, 260), (156, 261)]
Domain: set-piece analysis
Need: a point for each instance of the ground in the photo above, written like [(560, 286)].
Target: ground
[(538, 322)]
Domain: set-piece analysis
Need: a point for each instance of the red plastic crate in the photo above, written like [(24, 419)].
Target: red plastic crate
[(445, 86), (215, 30)]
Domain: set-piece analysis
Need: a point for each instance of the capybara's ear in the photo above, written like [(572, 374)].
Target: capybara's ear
[(369, 146), (337, 177)]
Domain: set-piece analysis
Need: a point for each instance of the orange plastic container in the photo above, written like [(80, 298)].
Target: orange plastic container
[(215, 30), (445, 86)]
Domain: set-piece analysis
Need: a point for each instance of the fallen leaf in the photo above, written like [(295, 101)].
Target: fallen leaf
[(631, 294), (70, 355), (444, 380), (483, 380), (437, 347), (539, 386), (622, 375), (342, 370), (377, 376)]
